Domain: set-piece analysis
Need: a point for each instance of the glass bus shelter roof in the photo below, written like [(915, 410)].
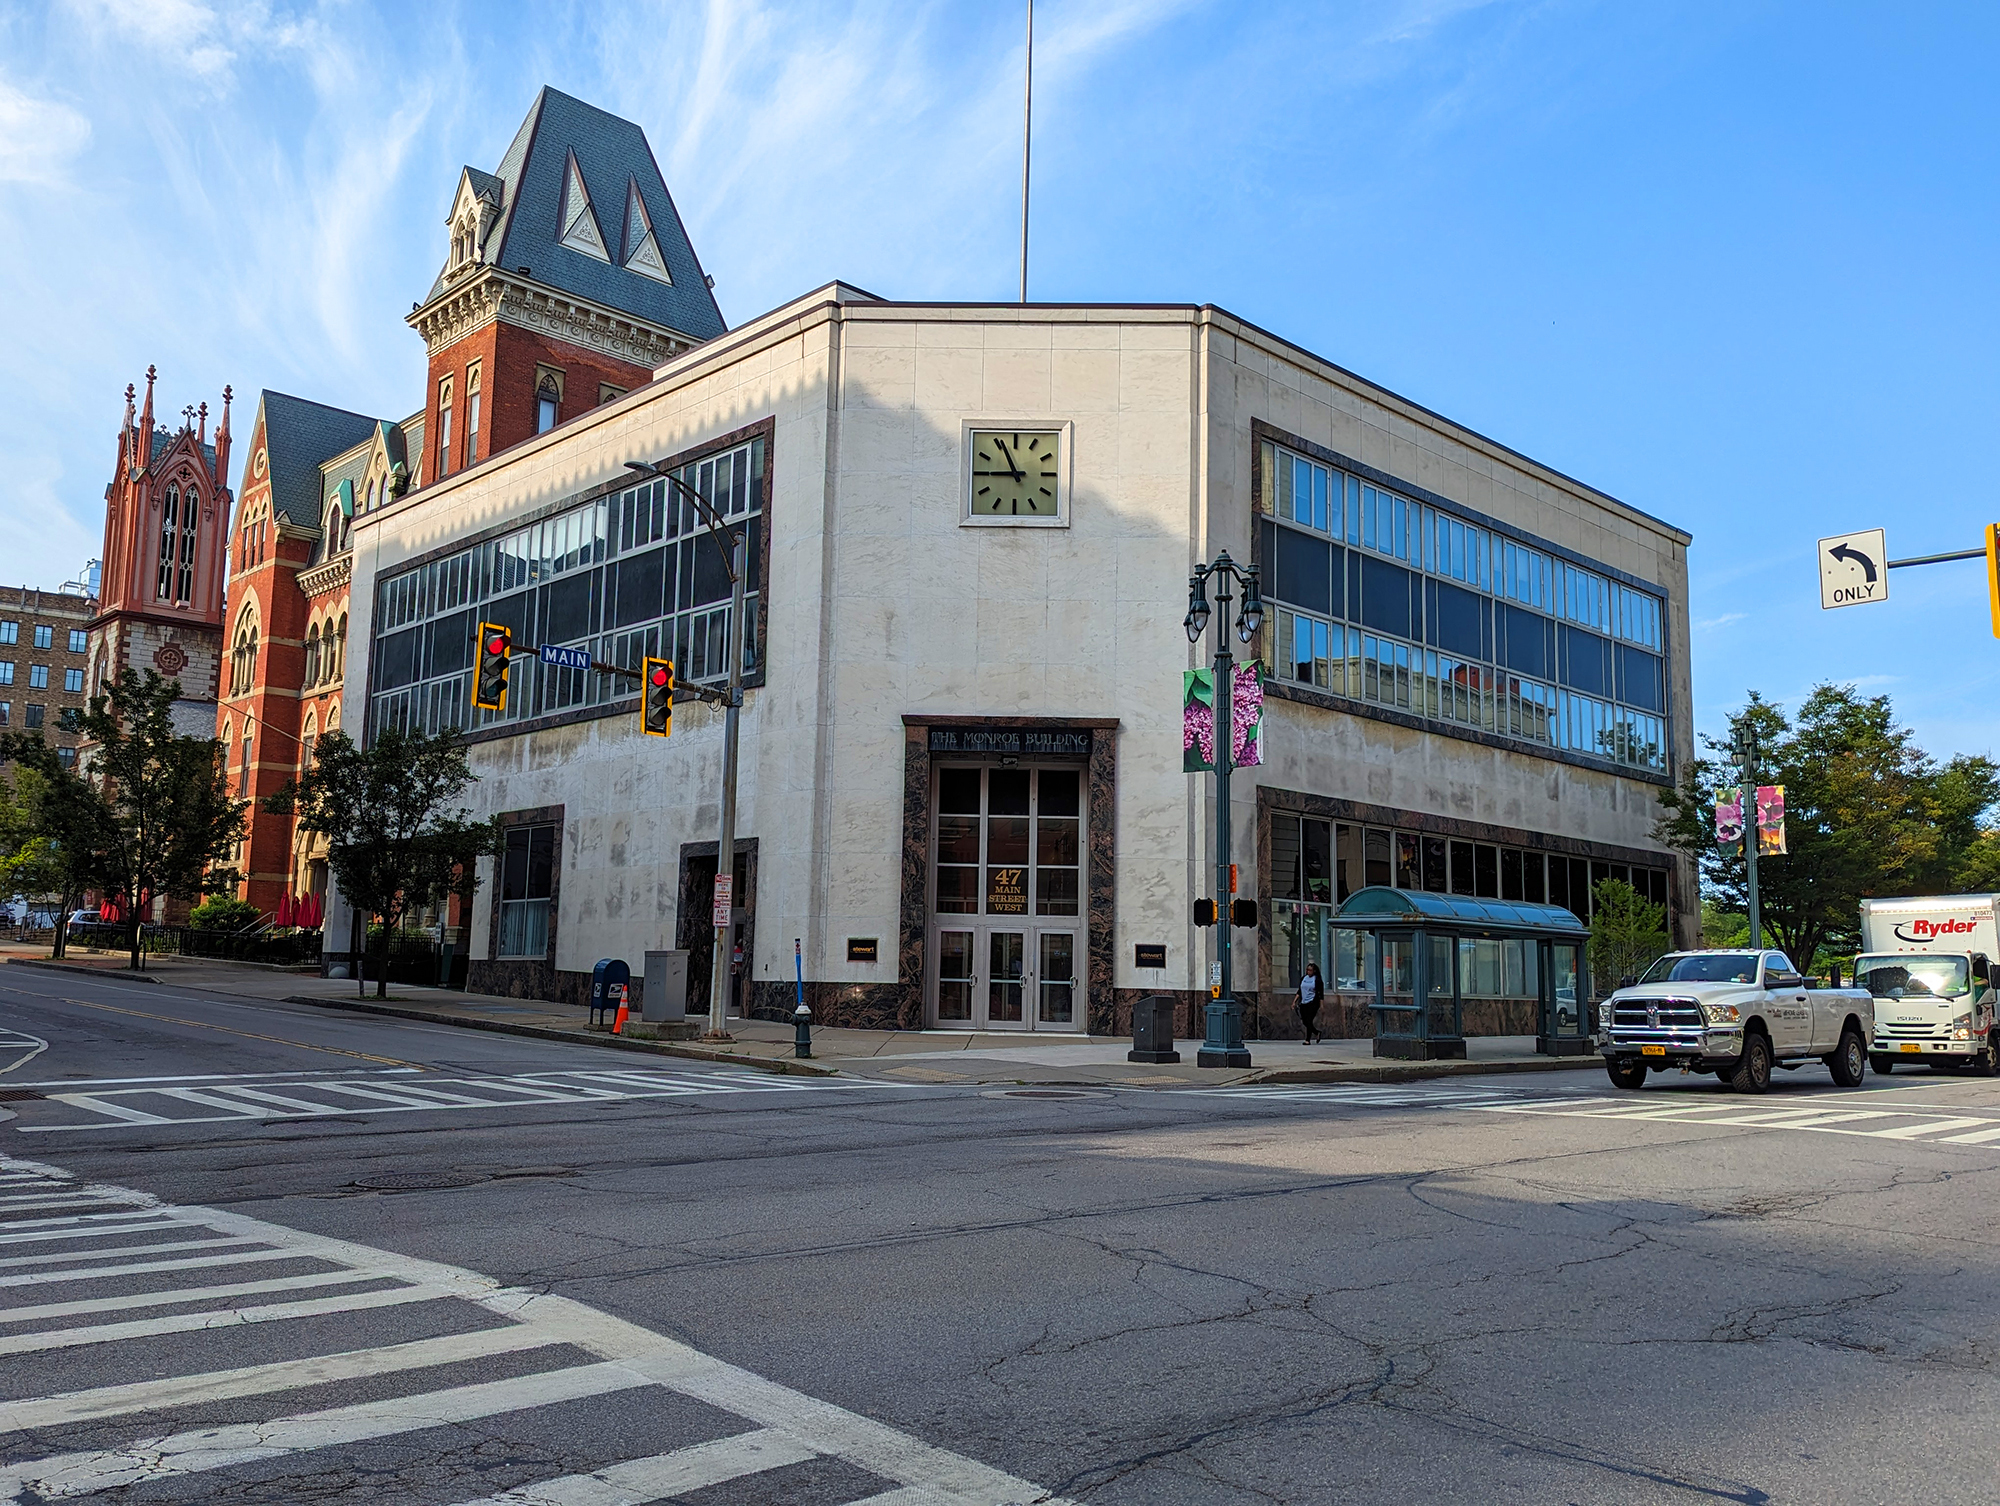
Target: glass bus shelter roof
[(1379, 905)]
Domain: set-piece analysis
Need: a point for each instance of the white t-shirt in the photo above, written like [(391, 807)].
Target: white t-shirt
[(1309, 989)]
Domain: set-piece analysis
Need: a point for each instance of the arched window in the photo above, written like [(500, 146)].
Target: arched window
[(307, 743), (333, 717), (190, 523), (548, 400), (243, 655), (311, 676), (340, 646), (170, 511)]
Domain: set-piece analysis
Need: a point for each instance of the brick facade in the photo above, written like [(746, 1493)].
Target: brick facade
[(27, 614)]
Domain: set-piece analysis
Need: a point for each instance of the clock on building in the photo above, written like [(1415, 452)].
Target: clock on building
[(1016, 476)]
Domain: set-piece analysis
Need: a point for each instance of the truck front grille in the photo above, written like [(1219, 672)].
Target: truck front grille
[(1674, 1014)]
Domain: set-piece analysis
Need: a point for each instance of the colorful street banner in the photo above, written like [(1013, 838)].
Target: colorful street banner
[(1729, 815), (1770, 820), (1246, 705)]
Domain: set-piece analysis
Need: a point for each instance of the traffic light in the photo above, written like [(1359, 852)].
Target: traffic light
[(1243, 914), (1204, 912), (1993, 574), (489, 676), (656, 681)]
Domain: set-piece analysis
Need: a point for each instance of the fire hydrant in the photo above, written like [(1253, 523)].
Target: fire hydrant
[(802, 1034)]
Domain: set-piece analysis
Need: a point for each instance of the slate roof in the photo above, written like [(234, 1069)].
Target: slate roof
[(298, 436), (612, 154), (164, 437)]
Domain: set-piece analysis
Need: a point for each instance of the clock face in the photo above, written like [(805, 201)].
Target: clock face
[(1014, 473)]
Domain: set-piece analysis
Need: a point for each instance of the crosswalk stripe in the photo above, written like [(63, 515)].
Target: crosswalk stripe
[(147, 1328), (118, 1253), (177, 1295), (152, 1460), (256, 1380), (1911, 1131), (99, 1105), (87, 1226), (1977, 1137), (141, 1268), (684, 1470)]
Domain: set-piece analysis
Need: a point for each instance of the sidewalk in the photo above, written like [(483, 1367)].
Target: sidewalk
[(907, 1056)]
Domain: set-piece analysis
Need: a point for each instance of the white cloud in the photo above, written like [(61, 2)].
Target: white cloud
[(1714, 624), (187, 33), (38, 137)]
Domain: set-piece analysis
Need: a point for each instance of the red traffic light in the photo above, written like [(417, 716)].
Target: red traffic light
[(659, 674), (496, 644)]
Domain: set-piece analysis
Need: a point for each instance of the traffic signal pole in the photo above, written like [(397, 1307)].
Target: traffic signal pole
[(725, 846)]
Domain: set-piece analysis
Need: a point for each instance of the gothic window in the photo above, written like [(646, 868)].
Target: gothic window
[(339, 650), (472, 413), (548, 399), (190, 523), (306, 745), (444, 427), (170, 511), (243, 656), (311, 677)]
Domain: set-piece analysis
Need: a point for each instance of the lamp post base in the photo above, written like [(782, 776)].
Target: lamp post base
[(1222, 1058), (1224, 1045)]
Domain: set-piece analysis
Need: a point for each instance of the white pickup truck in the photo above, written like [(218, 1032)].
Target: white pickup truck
[(1737, 1014)]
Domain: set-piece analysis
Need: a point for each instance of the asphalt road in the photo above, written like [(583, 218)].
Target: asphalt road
[(258, 1253)]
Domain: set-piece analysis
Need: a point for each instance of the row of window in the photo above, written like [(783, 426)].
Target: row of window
[(38, 677), (326, 645), (1322, 862), (44, 636), (35, 715), (1368, 667), (1356, 512), (549, 382), (623, 577)]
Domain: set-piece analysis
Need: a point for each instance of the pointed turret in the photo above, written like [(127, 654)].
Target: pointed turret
[(143, 451)]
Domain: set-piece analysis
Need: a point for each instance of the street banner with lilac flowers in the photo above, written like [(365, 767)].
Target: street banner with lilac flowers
[(1729, 815), (1198, 718)]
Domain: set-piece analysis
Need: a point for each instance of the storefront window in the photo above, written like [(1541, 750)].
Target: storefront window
[(1009, 842), (527, 882)]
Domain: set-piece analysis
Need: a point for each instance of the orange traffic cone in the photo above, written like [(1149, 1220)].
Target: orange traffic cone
[(624, 1013)]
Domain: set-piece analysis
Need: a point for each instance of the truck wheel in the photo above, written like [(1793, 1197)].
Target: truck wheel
[(1753, 1067), (1883, 1064), (1625, 1074), (1848, 1061), (1987, 1063)]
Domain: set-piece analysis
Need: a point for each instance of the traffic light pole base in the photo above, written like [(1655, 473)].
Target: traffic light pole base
[(1224, 1045), (718, 1035), (1208, 1058)]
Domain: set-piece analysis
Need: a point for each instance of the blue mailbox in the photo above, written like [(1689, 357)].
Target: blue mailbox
[(610, 980)]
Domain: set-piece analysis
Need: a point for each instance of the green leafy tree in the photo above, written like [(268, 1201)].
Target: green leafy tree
[(1627, 932), (1868, 814), (52, 829), (396, 838), (224, 912), (168, 820)]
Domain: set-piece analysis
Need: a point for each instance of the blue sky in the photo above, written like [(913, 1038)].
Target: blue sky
[(1731, 262)]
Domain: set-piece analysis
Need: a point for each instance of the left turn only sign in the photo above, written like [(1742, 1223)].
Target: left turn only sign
[(1854, 569)]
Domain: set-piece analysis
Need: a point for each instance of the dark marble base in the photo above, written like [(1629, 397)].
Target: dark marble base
[(1499, 1016), (1152, 1056), (844, 1006), (1563, 1045), (532, 980), (1402, 1048), (1222, 1058)]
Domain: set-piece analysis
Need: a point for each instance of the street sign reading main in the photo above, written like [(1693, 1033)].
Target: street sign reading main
[(565, 658), (1854, 569)]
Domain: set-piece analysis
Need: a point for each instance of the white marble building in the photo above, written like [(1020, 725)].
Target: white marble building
[(1479, 667)]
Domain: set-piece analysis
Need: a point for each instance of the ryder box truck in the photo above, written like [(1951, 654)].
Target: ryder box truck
[(1932, 965)]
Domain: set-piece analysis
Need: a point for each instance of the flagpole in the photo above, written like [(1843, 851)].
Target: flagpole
[(1027, 141)]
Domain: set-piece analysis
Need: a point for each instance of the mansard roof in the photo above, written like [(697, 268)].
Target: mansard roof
[(612, 156), (299, 436)]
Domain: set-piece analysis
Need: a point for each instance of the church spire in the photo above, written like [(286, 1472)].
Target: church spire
[(144, 452)]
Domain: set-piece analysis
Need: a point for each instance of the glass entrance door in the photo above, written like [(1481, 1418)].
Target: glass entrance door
[(1006, 899)]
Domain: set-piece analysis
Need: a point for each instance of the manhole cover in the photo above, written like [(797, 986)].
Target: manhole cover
[(1041, 1093), (417, 1181), (18, 1095)]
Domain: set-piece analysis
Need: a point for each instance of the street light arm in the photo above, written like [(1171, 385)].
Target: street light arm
[(717, 529)]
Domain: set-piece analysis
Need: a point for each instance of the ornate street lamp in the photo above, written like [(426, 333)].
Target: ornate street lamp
[(1223, 1043)]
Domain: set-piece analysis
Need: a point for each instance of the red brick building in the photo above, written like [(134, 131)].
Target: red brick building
[(567, 279)]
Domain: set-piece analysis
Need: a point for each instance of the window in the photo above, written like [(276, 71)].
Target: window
[(73, 681), (45, 636), (79, 640), (1381, 598), (38, 677), (190, 520), (6, 712), (1017, 851), (243, 656), (34, 716), (548, 398), (622, 577), (6, 672), (10, 632), (68, 718), (311, 675), (170, 531), (243, 784), (472, 412), (606, 392), (444, 427), (66, 757), (527, 885)]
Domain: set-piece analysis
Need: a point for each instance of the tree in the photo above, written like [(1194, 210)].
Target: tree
[(396, 841), (168, 821), (52, 828), (1868, 814), (1627, 932)]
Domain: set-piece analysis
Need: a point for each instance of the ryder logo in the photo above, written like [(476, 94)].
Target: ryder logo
[(1933, 930)]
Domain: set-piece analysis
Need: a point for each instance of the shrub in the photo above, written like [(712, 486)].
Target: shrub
[(224, 913)]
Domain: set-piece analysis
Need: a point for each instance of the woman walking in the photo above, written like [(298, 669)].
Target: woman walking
[(1310, 990)]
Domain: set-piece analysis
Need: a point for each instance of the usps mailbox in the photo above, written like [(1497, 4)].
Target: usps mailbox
[(608, 980)]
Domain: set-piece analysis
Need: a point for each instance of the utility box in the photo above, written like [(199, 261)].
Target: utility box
[(665, 998), (1153, 1030), (606, 979)]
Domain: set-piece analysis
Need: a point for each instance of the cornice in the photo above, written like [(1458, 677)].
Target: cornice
[(494, 293), (330, 576)]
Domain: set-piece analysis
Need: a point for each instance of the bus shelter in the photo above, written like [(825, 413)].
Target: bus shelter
[(1417, 975)]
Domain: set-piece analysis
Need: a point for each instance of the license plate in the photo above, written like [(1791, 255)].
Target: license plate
[(1652, 1050), (1912, 1046)]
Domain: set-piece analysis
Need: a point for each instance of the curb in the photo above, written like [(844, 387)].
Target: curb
[(124, 974), (784, 1066), (1416, 1071)]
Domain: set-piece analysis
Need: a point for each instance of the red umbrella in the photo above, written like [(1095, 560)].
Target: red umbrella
[(285, 911), (318, 910)]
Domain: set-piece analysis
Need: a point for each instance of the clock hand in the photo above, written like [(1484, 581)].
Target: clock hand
[(1019, 474)]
